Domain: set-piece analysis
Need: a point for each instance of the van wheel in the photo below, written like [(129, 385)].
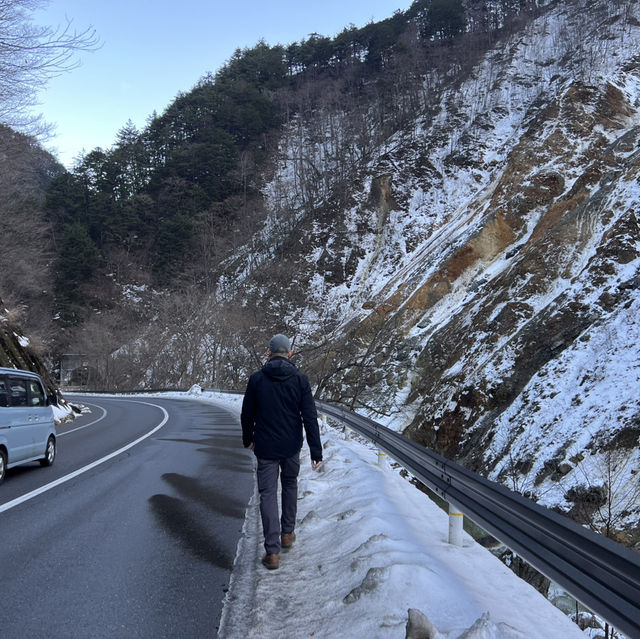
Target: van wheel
[(3, 464), (49, 453)]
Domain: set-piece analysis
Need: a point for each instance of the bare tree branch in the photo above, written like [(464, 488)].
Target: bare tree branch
[(30, 55)]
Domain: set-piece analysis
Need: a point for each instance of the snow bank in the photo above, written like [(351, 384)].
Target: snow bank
[(370, 547)]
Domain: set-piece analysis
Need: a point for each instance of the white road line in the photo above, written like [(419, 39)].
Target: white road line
[(80, 471), (95, 421)]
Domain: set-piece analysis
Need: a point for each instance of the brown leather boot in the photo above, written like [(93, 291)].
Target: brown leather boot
[(287, 539), (272, 562)]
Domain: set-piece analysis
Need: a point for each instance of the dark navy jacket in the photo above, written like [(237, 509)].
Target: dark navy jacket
[(277, 404)]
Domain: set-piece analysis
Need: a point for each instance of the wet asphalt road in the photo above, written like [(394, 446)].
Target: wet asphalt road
[(141, 545)]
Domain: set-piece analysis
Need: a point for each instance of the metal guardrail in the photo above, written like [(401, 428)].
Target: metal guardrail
[(601, 574)]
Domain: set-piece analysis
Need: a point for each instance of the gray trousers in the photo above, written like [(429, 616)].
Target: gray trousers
[(272, 524)]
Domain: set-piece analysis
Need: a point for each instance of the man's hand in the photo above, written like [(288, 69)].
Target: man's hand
[(251, 446), (315, 464)]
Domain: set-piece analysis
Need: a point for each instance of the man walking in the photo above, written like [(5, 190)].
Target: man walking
[(277, 405)]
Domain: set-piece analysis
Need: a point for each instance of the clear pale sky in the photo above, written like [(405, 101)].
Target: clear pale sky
[(153, 49)]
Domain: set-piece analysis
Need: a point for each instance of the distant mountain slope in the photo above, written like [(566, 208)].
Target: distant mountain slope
[(477, 286)]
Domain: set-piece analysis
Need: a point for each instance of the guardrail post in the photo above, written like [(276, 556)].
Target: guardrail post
[(382, 458), (456, 520)]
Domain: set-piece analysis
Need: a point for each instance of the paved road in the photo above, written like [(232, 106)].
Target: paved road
[(140, 545)]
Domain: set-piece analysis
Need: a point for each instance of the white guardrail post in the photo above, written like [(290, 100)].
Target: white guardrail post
[(456, 520)]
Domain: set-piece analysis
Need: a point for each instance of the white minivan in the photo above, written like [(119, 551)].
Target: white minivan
[(27, 427)]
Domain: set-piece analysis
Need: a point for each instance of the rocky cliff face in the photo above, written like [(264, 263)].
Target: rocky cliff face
[(478, 286), (16, 350)]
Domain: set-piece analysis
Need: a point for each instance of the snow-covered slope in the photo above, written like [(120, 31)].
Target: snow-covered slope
[(477, 287)]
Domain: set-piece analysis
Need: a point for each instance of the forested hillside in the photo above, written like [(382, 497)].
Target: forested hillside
[(171, 206), (441, 207)]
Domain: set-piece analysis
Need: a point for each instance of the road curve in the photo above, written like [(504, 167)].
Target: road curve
[(133, 531)]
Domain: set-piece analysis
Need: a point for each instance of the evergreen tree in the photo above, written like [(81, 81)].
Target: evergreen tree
[(446, 18), (78, 257), (131, 160), (172, 246), (262, 67), (65, 201)]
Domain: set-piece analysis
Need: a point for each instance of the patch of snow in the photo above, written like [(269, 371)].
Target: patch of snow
[(22, 340)]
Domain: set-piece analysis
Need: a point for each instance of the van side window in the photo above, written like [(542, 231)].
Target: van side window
[(4, 393), (36, 394), (18, 391)]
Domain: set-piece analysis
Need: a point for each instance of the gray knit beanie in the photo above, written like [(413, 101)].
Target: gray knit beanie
[(280, 344)]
